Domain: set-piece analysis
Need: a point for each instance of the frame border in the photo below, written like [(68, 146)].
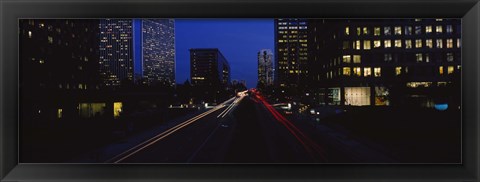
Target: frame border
[(10, 170)]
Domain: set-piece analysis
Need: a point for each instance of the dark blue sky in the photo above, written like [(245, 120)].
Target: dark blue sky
[(239, 40)]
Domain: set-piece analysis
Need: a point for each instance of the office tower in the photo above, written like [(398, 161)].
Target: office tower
[(265, 67), (58, 54), (157, 49), (386, 62), (116, 52), (291, 50), (209, 72)]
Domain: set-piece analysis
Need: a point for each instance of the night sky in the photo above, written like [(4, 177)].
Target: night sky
[(239, 40)]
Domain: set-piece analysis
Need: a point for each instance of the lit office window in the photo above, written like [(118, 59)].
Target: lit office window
[(357, 45), (429, 43), (418, 30), (387, 31), (346, 58), (398, 70), (50, 40), (376, 31), (377, 44), (439, 29), (398, 30), (357, 71), (359, 30), (377, 72), (347, 30), (387, 43), (449, 57), (365, 31), (458, 43), (347, 71), (387, 57), (29, 34), (427, 58), (440, 70), (439, 43), (398, 43), (419, 57), (449, 29), (418, 43), (449, 43), (428, 29), (408, 30), (367, 72), (450, 69), (366, 44), (357, 59), (408, 44)]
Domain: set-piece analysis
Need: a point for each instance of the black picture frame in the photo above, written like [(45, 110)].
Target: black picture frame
[(11, 11)]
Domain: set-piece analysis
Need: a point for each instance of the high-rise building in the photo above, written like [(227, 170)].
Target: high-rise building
[(157, 51), (116, 51), (209, 70), (385, 62), (291, 52), (58, 54), (265, 67)]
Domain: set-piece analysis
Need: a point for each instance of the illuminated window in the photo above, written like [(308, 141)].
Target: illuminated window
[(408, 44), (449, 29), (359, 31), (388, 57), (357, 71), (366, 44), (387, 43), (418, 84), (365, 31), (439, 43), (357, 45), (439, 29), (418, 30), (347, 30), (398, 71), (440, 70), (377, 72), (29, 34), (117, 109), (398, 43), (357, 59), (377, 44), (419, 57), (398, 30), (59, 113), (449, 43), (346, 45), (418, 43), (367, 72), (449, 57), (50, 40), (346, 58), (458, 43), (450, 69), (347, 71), (408, 30), (429, 43), (376, 31), (428, 29), (427, 58), (387, 31)]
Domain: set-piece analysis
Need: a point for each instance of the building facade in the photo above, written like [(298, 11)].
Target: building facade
[(209, 71), (291, 52), (158, 51), (265, 67), (376, 62), (116, 52)]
